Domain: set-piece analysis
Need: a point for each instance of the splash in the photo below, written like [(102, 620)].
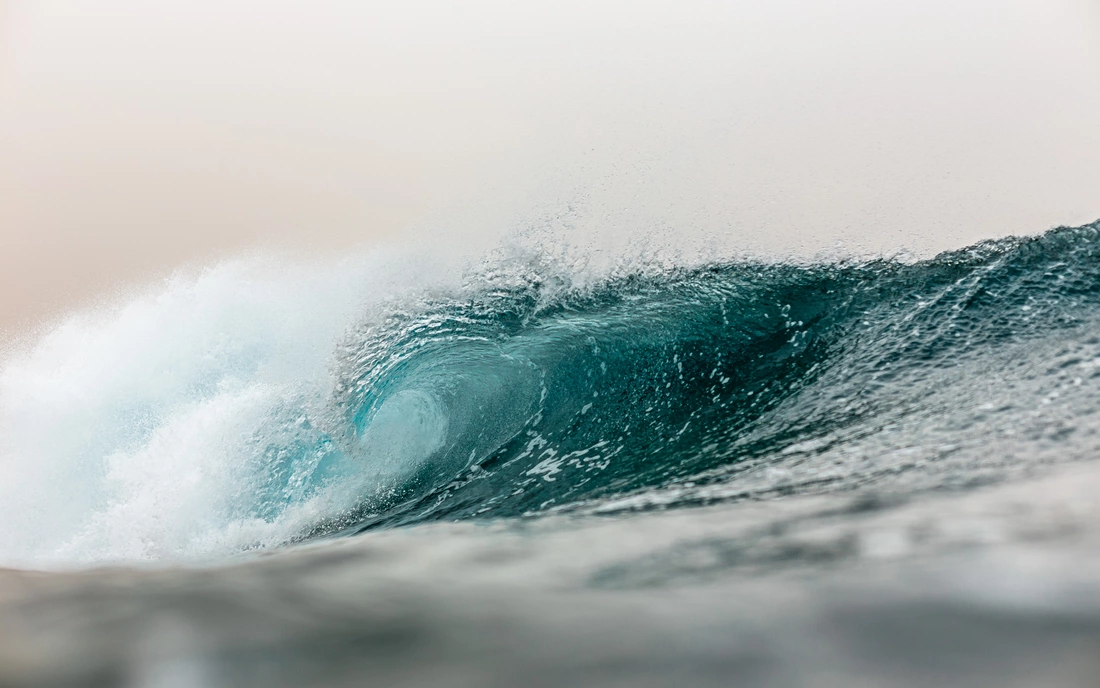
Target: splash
[(251, 406)]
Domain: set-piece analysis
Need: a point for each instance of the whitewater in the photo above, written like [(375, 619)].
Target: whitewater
[(258, 404)]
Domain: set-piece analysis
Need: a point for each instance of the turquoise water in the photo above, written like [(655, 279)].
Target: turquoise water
[(725, 381)]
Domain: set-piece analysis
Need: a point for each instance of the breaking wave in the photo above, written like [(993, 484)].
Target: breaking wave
[(252, 407)]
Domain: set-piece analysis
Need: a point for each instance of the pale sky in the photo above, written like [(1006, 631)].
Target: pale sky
[(139, 136)]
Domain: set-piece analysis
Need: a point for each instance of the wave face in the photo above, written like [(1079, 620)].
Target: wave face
[(187, 425)]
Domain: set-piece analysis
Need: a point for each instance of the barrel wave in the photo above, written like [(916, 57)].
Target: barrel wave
[(736, 380), (523, 392)]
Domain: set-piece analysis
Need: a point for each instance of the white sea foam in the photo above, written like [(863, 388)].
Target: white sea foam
[(127, 432)]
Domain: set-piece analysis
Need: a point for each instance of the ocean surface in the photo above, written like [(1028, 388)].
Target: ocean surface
[(539, 471)]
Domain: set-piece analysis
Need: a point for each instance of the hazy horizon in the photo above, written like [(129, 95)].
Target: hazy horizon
[(136, 138)]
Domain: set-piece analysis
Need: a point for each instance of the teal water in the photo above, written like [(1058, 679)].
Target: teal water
[(687, 386)]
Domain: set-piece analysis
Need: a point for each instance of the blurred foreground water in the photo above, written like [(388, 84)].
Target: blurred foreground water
[(997, 586)]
